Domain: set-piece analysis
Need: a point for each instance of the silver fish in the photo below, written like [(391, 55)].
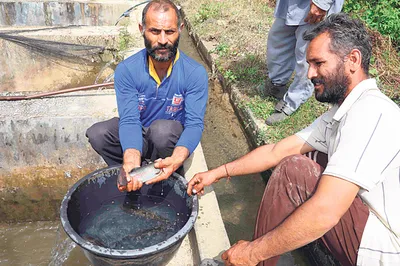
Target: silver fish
[(143, 174)]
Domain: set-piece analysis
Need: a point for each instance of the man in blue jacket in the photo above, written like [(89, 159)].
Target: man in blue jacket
[(161, 97), (286, 52)]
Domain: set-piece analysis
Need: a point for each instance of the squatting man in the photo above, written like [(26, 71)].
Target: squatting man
[(161, 98)]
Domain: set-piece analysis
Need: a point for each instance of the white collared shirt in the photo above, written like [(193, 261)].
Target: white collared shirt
[(362, 140)]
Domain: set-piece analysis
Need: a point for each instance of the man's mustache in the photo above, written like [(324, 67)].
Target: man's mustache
[(164, 46), (317, 81)]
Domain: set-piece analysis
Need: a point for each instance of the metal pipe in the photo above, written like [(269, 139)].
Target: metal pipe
[(50, 93)]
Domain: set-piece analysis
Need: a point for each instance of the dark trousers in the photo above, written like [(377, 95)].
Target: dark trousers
[(159, 139), (293, 181)]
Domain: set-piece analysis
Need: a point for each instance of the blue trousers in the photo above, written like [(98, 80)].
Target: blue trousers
[(159, 139), (286, 53)]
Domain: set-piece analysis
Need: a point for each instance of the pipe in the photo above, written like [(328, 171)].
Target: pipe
[(50, 93)]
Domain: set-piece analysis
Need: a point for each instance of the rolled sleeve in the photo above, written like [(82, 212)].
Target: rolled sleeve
[(314, 135)]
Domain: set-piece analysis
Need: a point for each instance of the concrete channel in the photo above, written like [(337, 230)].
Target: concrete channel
[(43, 149)]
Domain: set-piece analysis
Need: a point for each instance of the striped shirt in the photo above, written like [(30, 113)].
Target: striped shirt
[(362, 140)]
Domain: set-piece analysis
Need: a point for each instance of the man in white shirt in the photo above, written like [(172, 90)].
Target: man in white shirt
[(350, 201)]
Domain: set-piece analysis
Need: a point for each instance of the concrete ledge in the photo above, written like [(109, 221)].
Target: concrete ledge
[(211, 236), (50, 13), (51, 131)]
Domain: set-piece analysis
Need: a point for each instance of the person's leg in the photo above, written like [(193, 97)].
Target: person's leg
[(104, 138), (288, 188), (161, 137), (301, 88), (344, 239), (281, 43)]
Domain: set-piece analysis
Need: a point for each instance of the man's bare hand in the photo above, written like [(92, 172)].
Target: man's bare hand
[(132, 183), (239, 254), (125, 181), (199, 181), (315, 15), (170, 164)]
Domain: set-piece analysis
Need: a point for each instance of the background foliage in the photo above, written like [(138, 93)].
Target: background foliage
[(382, 15)]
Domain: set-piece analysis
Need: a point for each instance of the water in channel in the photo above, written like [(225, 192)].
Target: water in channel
[(45, 243)]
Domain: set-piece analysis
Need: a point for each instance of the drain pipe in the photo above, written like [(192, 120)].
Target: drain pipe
[(51, 93)]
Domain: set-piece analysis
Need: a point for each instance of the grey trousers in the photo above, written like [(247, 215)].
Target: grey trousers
[(286, 53), (159, 139)]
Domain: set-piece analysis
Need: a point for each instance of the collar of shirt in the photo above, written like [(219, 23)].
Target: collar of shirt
[(355, 94), (152, 70)]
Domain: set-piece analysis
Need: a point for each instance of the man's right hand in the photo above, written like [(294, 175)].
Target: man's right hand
[(315, 15), (132, 159), (199, 181)]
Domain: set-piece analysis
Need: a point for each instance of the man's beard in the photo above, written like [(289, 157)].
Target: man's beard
[(172, 50), (334, 86)]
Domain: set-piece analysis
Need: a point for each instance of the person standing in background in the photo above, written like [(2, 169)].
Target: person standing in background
[(286, 52)]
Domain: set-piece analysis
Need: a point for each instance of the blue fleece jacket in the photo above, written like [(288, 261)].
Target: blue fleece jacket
[(142, 98)]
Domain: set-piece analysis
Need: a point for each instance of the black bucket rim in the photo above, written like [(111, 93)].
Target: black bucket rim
[(123, 253)]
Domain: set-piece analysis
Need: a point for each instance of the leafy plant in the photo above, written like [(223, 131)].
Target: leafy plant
[(125, 39), (207, 11), (221, 49), (383, 16)]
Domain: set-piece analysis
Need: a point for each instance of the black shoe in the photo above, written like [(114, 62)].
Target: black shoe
[(282, 112), (274, 90)]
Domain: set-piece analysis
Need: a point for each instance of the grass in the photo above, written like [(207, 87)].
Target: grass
[(238, 30)]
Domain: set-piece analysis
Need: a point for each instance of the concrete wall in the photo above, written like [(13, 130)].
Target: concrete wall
[(37, 69), (56, 13), (32, 65), (51, 131)]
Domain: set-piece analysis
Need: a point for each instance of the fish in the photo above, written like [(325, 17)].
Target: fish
[(143, 174)]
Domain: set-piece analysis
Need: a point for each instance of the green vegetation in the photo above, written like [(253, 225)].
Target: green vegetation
[(383, 16), (221, 49), (250, 69), (208, 10), (125, 39)]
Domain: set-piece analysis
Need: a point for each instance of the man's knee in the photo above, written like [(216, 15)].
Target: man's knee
[(102, 133), (296, 168), (95, 135), (164, 133)]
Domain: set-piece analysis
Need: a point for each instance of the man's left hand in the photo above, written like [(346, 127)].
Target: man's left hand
[(315, 15), (240, 254), (168, 166)]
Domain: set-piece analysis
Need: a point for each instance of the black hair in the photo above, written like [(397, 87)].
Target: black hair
[(346, 34)]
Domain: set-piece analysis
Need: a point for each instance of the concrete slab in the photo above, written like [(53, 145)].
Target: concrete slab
[(51, 131)]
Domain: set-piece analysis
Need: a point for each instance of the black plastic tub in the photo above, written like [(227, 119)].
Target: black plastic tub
[(96, 189)]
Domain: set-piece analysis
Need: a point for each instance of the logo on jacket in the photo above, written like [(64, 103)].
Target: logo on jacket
[(141, 99), (177, 99)]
